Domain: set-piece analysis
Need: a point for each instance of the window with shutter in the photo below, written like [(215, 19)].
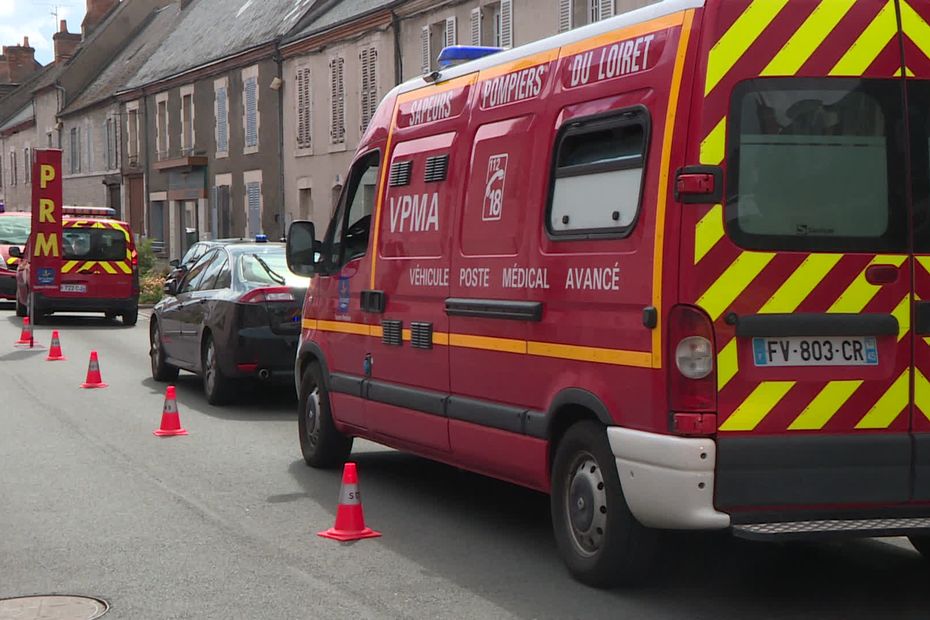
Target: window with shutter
[(88, 148), (27, 168), (251, 112), (606, 9), (425, 60), (450, 31), (254, 203), (476, 26), (337, 99), (565, 15), (304, 113), (222, 120), (506, 23), (13, 180), (368, 60)]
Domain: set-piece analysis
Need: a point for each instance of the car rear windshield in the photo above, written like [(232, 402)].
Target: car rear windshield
[(94, 244), (266, 267), (817, 165), (14, 229)]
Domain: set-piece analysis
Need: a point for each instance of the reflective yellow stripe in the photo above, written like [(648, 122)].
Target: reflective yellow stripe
[(88, 265), (741, 35), (800, 284), (505, 345), (734, 281), (825, 405), (713, 148), (922, 393), (357, 329), (727, 364), (107, 267), (71, 264), (441, 339), (903, 313), (889, 406), (858, 294), (916, 29), (708, 232), (641, 359), (808, 37), (870, 44), (924, 262), (754, 409), (124, 267), (309, 324)]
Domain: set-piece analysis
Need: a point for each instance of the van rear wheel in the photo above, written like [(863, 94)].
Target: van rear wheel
[(321, 443), (131, 317), (598, 537), (922, 544), (21, 310)]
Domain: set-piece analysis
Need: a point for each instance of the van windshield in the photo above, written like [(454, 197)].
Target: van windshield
[(14, 229), (94, 244), (817, 165)]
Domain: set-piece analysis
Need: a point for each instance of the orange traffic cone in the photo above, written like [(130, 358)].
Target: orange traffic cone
[(93, 374), (25, 336), (350, 521), (170, 420), (54, 351)]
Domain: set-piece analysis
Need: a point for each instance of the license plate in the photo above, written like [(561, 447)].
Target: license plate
[(73, 288), (827, 351)]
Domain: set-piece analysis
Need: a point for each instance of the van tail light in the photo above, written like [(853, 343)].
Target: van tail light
[(135, 259), (269, 294), (692, 377)]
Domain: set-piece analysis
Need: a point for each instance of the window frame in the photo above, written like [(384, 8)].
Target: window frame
[(623, 117), (341, 218)]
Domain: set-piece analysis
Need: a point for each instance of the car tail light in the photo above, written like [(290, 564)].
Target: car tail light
[(270, 294), (692, 380)]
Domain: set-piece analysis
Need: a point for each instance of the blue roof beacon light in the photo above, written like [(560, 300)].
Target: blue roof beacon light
[(457, 54), (260, 238)]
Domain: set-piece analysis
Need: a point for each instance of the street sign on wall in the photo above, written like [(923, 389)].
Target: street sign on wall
[(45, 261)]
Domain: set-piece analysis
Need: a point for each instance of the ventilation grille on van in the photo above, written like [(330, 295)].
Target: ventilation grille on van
[(400, 173), (392, 332), (436, 168), (421, 335)]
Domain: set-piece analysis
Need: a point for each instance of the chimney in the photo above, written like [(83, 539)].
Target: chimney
[(96, 10), (20, 61), (65, 42)]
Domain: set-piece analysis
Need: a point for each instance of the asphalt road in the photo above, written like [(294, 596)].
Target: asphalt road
[(222, 523)]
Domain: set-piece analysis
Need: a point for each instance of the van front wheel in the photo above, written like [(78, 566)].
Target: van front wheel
[(321, 443), (598, 537)]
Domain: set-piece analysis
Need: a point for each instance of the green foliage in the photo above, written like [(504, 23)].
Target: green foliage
[(152, 285), (146, 256)]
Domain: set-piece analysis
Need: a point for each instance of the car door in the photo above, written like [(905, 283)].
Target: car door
[(171, 316), (192, 299)]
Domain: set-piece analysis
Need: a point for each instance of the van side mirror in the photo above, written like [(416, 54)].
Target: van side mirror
[(175, 262), (171, 287), (16, 252), (303, 250)]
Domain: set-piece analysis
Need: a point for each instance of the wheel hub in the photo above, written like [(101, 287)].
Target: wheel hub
[(586, 505), (312, 416)]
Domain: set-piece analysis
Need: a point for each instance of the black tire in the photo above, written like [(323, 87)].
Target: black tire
[(161, 370), (111, 316), (922, 544), (130, 318), (218, 388), (37, 314), (598, 537), (21, 310), (322, 445)]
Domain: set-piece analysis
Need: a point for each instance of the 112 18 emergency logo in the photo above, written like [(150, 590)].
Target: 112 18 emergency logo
[(494, 188)]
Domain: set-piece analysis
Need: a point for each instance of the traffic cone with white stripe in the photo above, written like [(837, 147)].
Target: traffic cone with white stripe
[(94, 380), (170, 418), (350, 521), (25, 336), (54, 351)]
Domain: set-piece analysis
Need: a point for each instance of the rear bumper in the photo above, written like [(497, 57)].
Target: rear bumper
[(86, 304), (268, 351), (668, 482)]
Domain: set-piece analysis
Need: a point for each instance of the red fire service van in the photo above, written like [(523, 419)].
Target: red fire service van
[(669, 268)]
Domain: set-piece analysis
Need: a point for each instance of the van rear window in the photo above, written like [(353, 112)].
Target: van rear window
[(816, 165), (94, 244)]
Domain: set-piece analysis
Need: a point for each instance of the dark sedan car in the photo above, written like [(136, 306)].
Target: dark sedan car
[(235, 314), (180, 266)]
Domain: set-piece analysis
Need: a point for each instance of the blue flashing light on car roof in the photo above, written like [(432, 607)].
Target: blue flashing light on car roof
[(261, 238), (457, 54)]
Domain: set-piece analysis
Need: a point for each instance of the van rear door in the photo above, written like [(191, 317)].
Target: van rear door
[(97, 261)]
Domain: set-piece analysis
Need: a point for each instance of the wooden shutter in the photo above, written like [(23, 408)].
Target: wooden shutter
[(251, 112), (425, 60), (368, 59), (254, 203), (450, 31), (606, 9), (565, 15), (507, 23), (337, 99), (476, 26), (222, 120), (304, 109)]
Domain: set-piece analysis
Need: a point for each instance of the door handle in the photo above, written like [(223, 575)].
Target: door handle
[(878, 275)]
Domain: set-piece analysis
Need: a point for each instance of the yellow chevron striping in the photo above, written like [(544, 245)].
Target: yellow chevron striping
[(124, 267), (922, 393), (799, 284), (870, 44), (108, 267), (71, 264), (924, 261), (713, 148), (915, 28), (889, 406), (825, 405), (734, 281), (727, 364), (902, 312), (803, 43), (741, 35), (708, 232), (758, 405), (858, 294), (907, 72)]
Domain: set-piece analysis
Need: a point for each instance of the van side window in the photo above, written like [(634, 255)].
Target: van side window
[(598, 175), (348, 234)]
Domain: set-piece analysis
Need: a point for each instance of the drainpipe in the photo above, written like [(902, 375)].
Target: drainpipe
[(281, 215), (63, 95), (143, 136), (398, 57)]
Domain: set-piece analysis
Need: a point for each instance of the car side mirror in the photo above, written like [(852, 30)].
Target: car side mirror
[(171, 288), (16, 252), (175, 262), (303, 250)]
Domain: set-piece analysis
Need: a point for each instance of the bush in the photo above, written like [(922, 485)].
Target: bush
[(146, 256), (152, 285)]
